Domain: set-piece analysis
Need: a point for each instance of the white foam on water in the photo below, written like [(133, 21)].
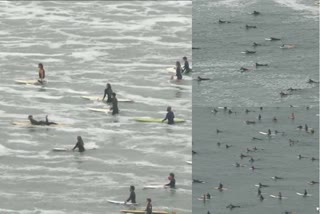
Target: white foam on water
[(299, 5)]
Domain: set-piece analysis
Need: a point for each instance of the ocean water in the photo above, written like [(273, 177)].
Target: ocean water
[(219, 57), (274, 157), (84, 45)]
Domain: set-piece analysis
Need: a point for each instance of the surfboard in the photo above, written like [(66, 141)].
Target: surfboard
[(143, 212), (265, 133), (121, 202), (189, 162), (156, 120), (287, 46), (97, 98), (154, 187), (301, 194), (27, 123), (277, 197), (206, 199), (30, 82), (60, 149), (105, 110), (219, 189)]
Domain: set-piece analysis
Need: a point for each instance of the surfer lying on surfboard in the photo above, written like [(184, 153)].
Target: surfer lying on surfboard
[(40, 123), (172, 183), (132, 196), (169, 116), (79, 144)]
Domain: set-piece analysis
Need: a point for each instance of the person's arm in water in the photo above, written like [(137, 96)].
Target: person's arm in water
[(165, 117), (105, 94), (130, 197), (76, 146), (169, 184)]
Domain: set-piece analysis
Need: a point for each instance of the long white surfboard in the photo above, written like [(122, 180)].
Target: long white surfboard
[(277, 197), (97, 98), (142, 212), (30, 82), (105, 110), (301, 194), (121, 202), (189, 162)]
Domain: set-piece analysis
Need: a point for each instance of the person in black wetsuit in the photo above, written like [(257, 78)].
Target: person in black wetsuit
[(201, 78), (114, 108), (40, 123), (108, 91), (132, 196), (172, 183), (42, 73), (186, 68), (169, 116), (149, 206), (178, 71), (79, 144)]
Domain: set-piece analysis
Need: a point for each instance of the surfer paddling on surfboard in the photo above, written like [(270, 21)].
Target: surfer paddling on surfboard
[(132, 196), (79, 144), (40, 123), (186, 69), (114, 108), (172, 183), (42, 73), (108, 91), (149, 206), (169, 116)]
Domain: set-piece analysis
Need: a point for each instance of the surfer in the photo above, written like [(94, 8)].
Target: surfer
[(237, 164), (313, 159), (169, 116), (132, 196), (215, 110), (300, 157), (40, 123), (231, 206), (228, 146), (280, 195), (186, 69), (243, 156), (208, 196), (197, 181), (193, 152), (256, 44), (149, 206), (250, 122), (306, 127), (305, 194), (79, 144), (282, 94), (274, 119), (42, 73), (223, 22), (218, 144), (257, 64), (276, 178), (249, 52), (262, 185), (201, 78), (255, 13), (312, 81), (243, 69), (114, 108), (172, 183), (259, 117), (255, 138), (313, 182), (292, 116), (220, 187), (274, 39), (269, 132), (108, 91), (178, 70), (250, 26)]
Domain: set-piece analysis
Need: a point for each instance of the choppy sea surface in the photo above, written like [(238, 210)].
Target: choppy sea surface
[(295, 22), (84, 45)]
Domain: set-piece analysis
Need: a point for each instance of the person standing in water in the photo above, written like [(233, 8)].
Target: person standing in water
[(132, 196), (108, 91), (149, 206), (114, 108), (79, 144), (186, 68), (172, 183), (42, 73), (169, 116), (178, 71)]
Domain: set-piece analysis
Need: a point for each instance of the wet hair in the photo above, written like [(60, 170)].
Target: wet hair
[(80, 139), (178, 64), (108, 85), (132, 188), (40, 65), (172, 175), (184, 58), (30, 116), (169, 108), (149, 199)]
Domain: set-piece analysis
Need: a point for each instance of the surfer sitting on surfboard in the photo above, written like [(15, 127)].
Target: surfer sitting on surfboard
[(42, 73), (172, 183), (132, 196), (114, 108), (169, 116), (40, 123), (108, 91), (149, 206), (186, 68), (79, 144)]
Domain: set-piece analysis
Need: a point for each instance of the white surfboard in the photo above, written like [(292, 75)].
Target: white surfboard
[(265, 133), (201, 199), (154, 187), (217, 188), (277, 197), (60, 149), (30, 82), (121, 202), (97, 98), (189, 162), (301, 194), (105, 110)]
